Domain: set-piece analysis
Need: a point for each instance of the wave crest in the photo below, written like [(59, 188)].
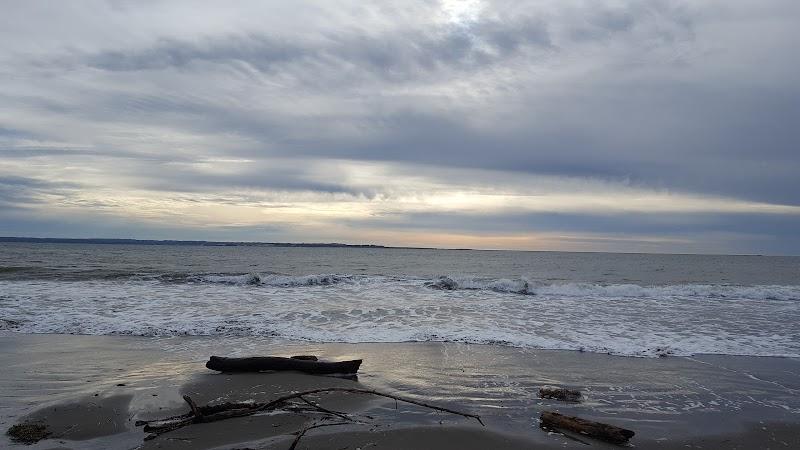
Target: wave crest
[(255, 279), (590, 290), (445, 283)]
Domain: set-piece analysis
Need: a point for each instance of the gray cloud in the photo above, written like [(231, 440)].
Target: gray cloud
[(261, 51), (631, 224), (399, 55), (23, 223), (255, 176), (17, 191), (737, 233)]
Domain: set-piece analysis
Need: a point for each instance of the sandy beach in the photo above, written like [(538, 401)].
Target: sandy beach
[(90, 390)]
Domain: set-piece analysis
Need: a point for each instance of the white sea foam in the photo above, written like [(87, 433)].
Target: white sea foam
[(276, 280), (622, 319), (524, 286), (521, 286)]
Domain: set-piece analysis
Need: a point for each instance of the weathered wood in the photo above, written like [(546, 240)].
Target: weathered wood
[(558, 393), (597, 430), (213, 413), (265, 363), (28, 433)]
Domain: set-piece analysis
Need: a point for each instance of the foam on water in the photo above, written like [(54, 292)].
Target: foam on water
[(275, 280), (518, 286), (621, 319), (528, 287)]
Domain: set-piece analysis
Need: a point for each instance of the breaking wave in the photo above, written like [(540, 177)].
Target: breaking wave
[(619, 319), (526, 287), (450, 282), (520, 286), (255, 279)]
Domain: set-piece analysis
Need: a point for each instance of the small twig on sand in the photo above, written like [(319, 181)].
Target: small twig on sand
[(325, 410), (316, 425)]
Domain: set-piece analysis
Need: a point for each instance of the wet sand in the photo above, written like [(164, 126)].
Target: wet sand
[(90, 390), (219, 388)]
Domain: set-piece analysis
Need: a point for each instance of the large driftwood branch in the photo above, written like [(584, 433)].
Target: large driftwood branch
[(264, 363), (382, 394), (213, 413), (597, 430)]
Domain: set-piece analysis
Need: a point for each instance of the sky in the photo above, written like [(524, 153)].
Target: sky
[(629, 126)]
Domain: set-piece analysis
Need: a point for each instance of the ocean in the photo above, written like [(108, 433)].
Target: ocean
[(638, 305)]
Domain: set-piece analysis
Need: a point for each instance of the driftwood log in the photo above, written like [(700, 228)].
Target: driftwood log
[(564, 394), (264, 363), (597, 430)]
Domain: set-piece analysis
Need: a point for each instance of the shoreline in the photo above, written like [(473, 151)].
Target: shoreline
[(11, 331), (668, 401)]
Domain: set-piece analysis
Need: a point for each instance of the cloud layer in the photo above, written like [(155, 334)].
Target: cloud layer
[(622, 126)]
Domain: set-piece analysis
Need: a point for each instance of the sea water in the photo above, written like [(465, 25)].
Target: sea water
[(622, 304)]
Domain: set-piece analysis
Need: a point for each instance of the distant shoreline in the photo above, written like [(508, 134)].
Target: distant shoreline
[(198, 243), (194, 243)]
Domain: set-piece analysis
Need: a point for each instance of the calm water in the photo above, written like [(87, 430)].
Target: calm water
[(627, 304)]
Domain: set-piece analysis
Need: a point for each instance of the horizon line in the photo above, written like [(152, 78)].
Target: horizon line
[(213, 243)]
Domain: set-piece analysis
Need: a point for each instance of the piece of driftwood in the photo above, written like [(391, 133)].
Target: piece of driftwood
[(213, 413), (604, 432), (266, 363), (558, 393)]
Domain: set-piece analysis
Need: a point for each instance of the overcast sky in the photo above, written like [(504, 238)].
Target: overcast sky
[(664, 126)]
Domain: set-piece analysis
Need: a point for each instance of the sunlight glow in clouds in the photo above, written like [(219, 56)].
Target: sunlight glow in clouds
[(392, 191), (462, 12)]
